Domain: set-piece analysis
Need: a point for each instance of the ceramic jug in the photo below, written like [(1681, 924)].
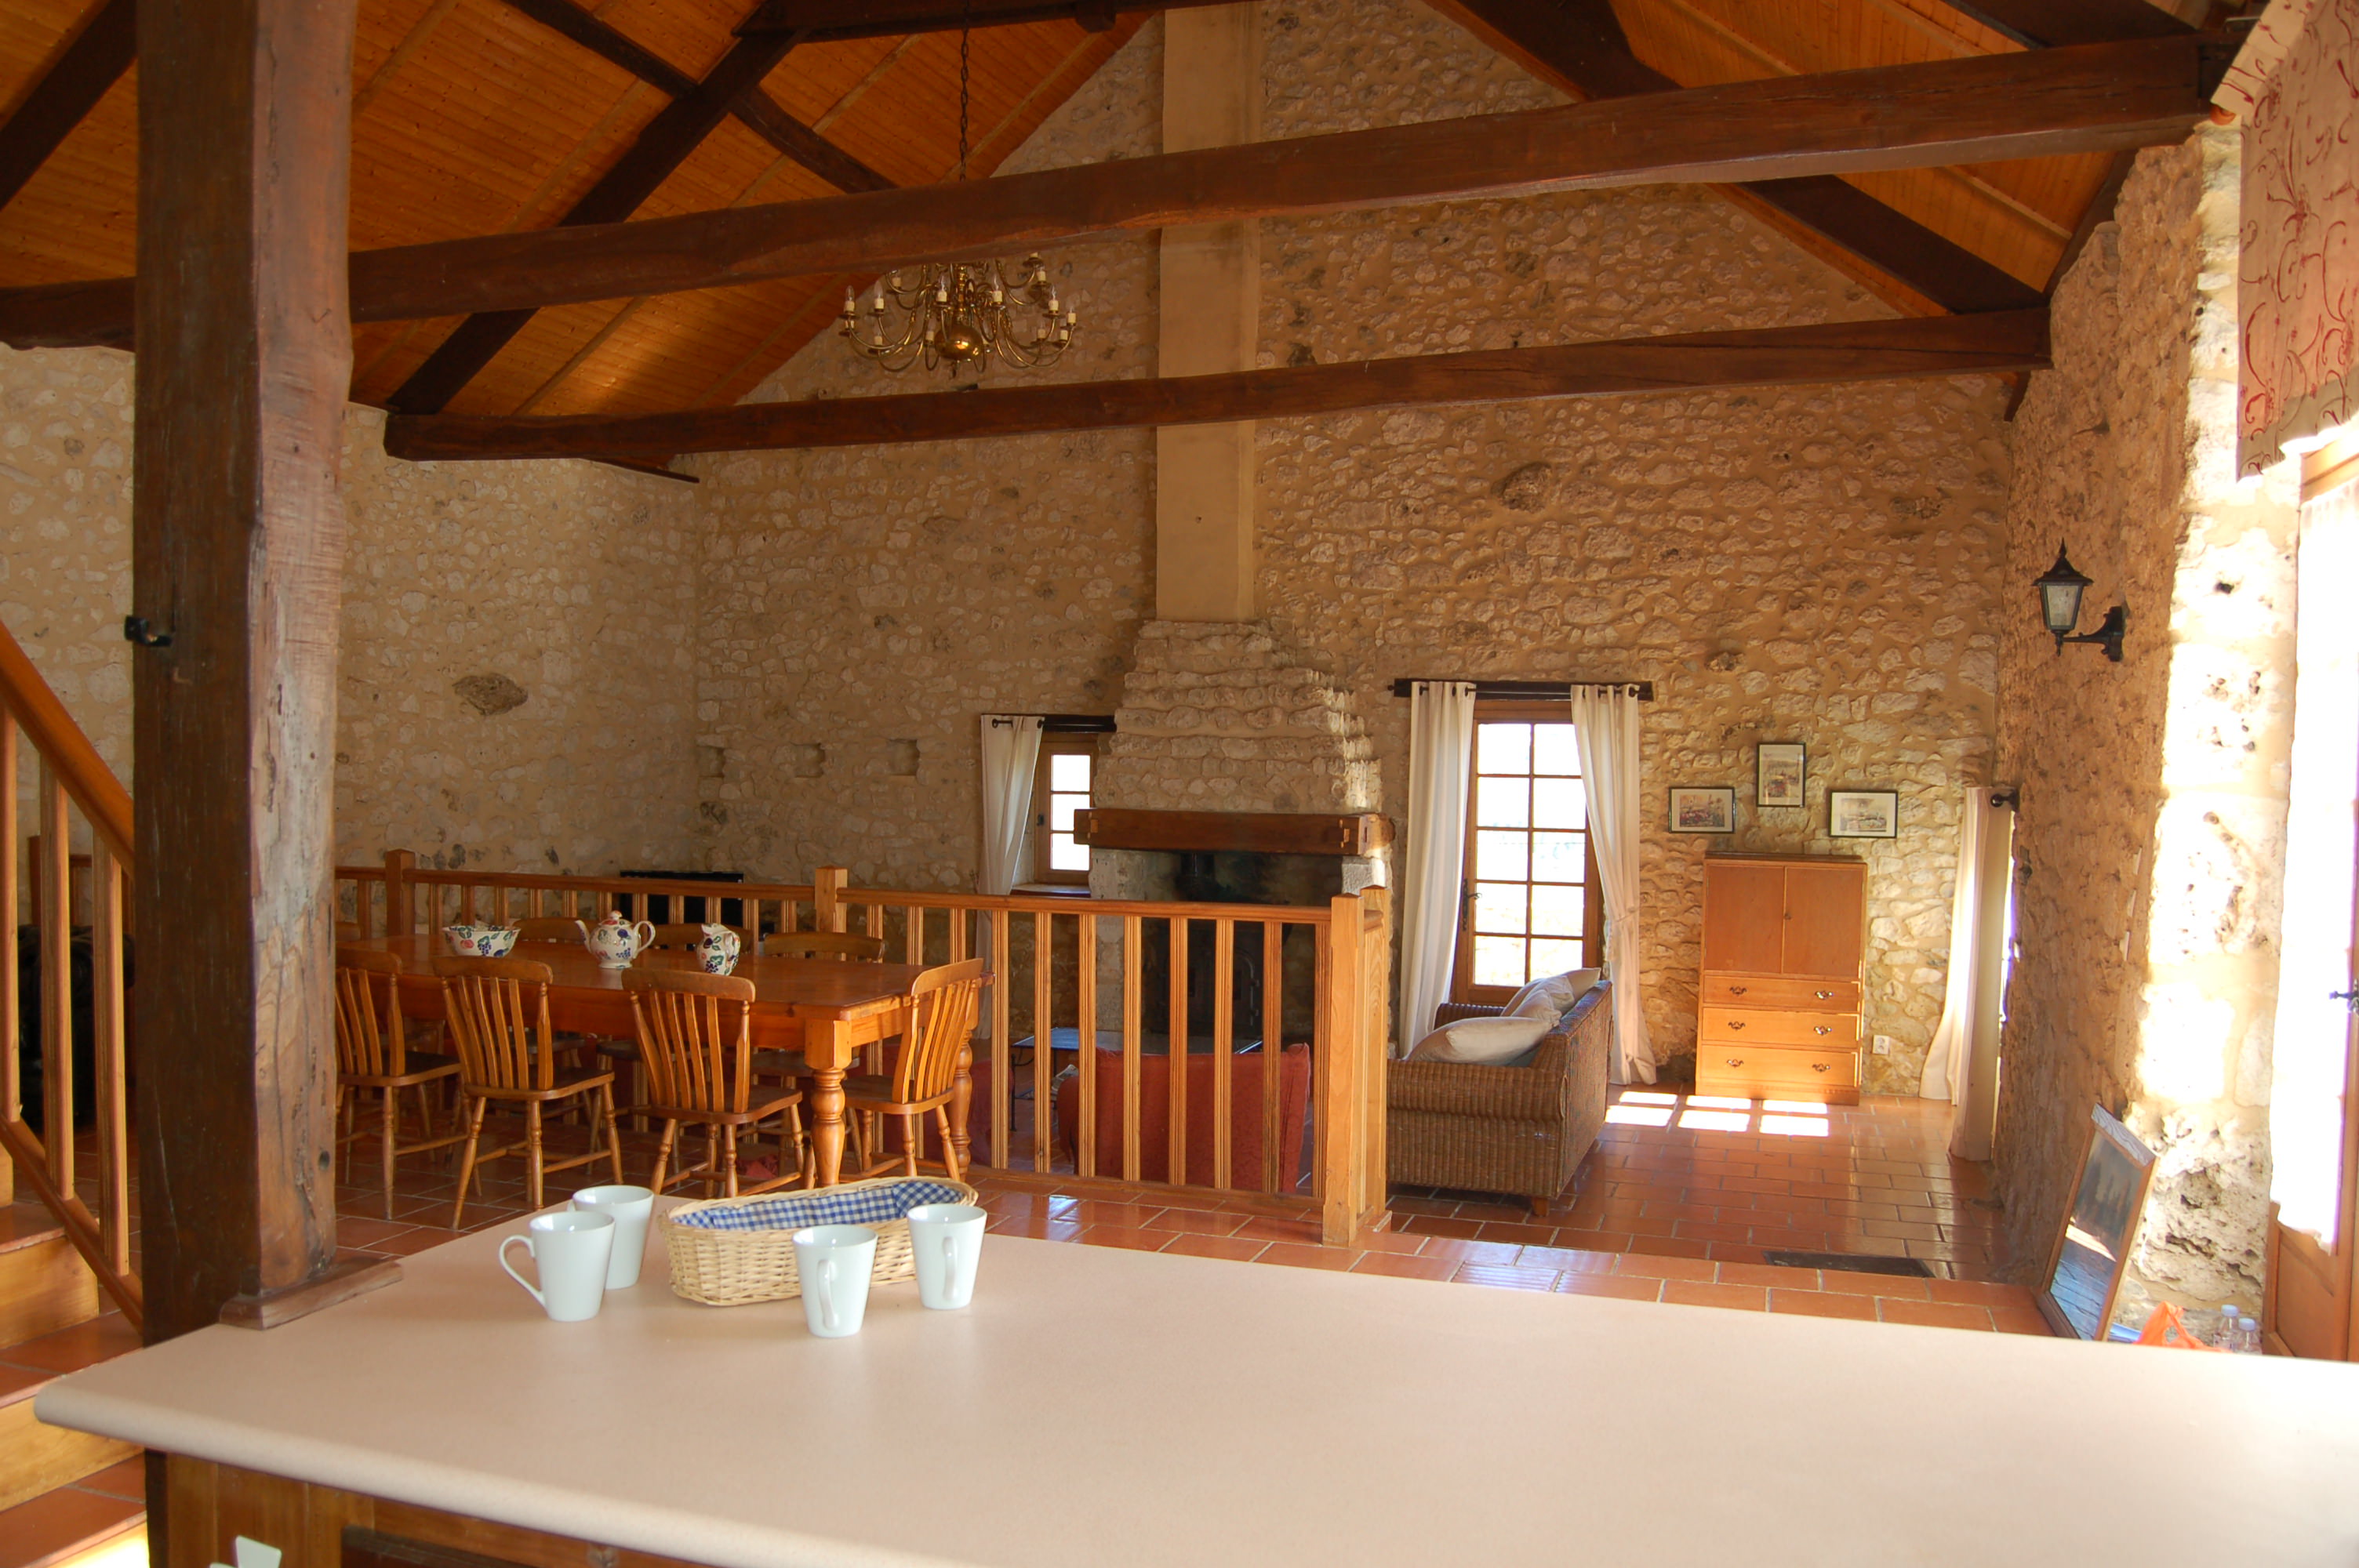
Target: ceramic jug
[(617, 941), (719, 950)]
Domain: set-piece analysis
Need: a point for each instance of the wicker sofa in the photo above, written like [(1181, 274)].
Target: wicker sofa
[(1521, 1129)]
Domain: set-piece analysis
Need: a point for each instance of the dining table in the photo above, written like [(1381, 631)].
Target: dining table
[(826, 1008)]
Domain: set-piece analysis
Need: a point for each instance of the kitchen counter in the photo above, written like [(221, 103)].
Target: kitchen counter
[(1099, 1406)]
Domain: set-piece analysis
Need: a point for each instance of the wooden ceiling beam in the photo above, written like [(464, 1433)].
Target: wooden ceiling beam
[(833, 21), (667, 142), (1781, 356), (760, 112), (79, 76), (2100, 98), (2052, 24), (1579, 45)]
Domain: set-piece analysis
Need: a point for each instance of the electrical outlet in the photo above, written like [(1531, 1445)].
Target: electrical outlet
[(1884, 1044)]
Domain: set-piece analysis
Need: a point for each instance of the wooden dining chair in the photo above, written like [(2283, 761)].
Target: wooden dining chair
[(696, 1045), (498, 1013), (552, 928), (944, 1004), (823, 945), (678, 936), (372, 1052)]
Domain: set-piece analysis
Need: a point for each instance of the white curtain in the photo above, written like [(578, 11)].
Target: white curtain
[(1433, 860), (1011, 752), (1962, 1064), (1605, 728)]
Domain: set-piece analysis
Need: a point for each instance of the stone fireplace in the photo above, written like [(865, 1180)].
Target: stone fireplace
[(1239, 772)]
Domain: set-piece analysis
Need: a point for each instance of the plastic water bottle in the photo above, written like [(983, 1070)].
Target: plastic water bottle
[(2227, 1337), (2248, 1336)]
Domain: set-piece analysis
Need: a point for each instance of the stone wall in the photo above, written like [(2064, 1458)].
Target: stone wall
[(2153, 792), (520, 639), (1816, 564)]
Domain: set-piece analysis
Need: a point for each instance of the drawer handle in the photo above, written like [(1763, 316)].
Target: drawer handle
[(1736, 990), (1736, 1061), (1821, 1028), (1737, 1024), (1818, 1066), (1823, 995)]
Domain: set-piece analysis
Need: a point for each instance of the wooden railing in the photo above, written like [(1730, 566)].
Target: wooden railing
[(77, 801), (1284, 1009)]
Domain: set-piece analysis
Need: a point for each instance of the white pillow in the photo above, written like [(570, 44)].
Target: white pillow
[(1485, 1039), (1550, 996)]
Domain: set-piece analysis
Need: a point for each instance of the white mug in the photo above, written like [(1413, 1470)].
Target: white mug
[(570, 1250), (834, 1261), (631, 1207), (947, 1239)]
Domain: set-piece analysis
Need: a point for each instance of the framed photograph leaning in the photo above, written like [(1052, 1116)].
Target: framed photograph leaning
[(1778, 773), (1862, 814), (1704, 810)]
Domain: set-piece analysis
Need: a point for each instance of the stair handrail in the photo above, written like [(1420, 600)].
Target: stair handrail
[(80, 771), (81, 775)]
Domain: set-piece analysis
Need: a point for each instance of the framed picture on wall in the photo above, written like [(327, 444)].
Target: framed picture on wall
[(1778, 773), (1862, 814), (1704, 810)]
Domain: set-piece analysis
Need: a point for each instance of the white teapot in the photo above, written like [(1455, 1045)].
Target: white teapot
[(718, 951), (617, 941)]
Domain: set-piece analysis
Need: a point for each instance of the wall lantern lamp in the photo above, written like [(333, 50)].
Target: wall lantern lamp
[(2060, 607)]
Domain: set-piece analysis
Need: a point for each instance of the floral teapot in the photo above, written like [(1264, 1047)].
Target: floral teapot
[(617, 941)]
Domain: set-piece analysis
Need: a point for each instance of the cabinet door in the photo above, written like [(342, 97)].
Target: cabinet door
[(1825, 919), (1744, 909)]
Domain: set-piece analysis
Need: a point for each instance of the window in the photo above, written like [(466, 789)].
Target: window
[(1530, 905), (1060, 786)]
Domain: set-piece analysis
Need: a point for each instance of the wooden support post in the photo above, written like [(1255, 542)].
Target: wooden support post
[(1342, 1110), (828, 883), (244, 355), (400, 919)]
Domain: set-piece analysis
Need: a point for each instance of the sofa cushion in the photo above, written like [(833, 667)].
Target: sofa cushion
[(1551, 995), (1489, 1041)]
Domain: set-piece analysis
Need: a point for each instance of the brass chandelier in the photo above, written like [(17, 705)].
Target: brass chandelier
[(952, 314)]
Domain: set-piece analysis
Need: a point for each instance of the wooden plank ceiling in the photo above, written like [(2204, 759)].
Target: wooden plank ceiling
[(471, 117)]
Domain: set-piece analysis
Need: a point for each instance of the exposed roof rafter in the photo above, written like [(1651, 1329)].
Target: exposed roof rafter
[(1690, 362), (77, 78)]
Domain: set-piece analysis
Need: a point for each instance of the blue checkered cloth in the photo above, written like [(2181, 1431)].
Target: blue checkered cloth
[(863, 1206)]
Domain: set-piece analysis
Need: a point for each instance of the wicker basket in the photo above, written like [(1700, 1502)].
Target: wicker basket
[(732, 1251)]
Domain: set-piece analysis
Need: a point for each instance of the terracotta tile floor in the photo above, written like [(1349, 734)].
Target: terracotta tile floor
[(1678, 1204)]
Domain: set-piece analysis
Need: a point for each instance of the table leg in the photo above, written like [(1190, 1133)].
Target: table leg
[(827, 1125)]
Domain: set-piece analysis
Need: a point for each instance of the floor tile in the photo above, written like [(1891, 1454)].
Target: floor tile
[(1506, 1275), (1693, 1293), (57, 1524), (1294, 1254), (1820, 1303), (1616, 1285), (1935, 1314), (1234, 1247), (1404, 1266)]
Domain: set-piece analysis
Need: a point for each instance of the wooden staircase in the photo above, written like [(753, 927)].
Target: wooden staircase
[(60, 1492), (69, 1294)]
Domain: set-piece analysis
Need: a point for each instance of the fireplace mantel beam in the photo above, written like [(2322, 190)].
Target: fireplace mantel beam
[(1255, 832)]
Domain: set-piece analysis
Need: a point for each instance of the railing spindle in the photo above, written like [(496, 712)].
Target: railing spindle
[(57, 985), (1044, 1123), (12, 1089), (1274, 1177), (1134, 959), (1175, 1062), (1224, 960), (106, 1024), (1085, 1018), (1002, 1085)]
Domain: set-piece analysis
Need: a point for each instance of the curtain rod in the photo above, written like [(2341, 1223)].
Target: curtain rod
[(1530, 690), (1065, 723)]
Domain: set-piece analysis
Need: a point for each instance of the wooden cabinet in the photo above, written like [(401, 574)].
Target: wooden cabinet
[(1777, 1011)]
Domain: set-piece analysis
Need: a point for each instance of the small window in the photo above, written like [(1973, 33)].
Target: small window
[(1059, 788), (1530, 905)]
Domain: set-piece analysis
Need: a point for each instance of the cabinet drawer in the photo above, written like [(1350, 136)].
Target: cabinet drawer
[(1779, 992), (1718, 1026), (1757, 1072)]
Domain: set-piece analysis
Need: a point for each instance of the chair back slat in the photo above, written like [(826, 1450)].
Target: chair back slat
[(947, 1000), (498, 1013), (369, 1035), (696, 1037), (823, 945)]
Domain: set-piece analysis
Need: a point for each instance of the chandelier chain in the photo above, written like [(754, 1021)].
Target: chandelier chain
[(951, 315)]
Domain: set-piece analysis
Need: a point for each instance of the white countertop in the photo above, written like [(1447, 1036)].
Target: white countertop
[(1099, 1406)]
